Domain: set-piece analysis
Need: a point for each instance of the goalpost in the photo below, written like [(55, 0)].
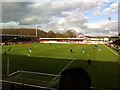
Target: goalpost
[(8, 66), (29, 77)]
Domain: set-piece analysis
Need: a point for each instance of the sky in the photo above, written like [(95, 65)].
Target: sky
[(89, 18)]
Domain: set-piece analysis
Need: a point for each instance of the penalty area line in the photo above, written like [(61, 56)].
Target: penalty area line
[(62, 71)]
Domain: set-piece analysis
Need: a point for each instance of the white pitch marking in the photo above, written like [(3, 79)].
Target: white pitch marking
[(62, 71), (112, 51), (36, 46), (28, 54), (14, 73), (28, 85), (55, 57), (40, 73)]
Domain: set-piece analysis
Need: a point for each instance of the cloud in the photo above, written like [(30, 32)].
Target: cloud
[(76, 17), (71, 19), (14, 11), (11, 24), (56, 15), (107, 10), (96, 11), (24, 0), (54, 1), (105, 0), (100, 11), (103, 29), (113, 7)]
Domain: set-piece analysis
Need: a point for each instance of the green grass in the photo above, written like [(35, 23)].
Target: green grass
[(46, 58)]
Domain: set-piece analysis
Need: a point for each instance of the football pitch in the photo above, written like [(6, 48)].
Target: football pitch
[(43, 64)]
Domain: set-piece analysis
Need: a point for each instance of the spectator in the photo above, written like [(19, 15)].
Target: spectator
[(89, 63)]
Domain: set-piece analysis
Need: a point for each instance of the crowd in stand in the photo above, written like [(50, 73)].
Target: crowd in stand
[(16, 40), (11, 41)]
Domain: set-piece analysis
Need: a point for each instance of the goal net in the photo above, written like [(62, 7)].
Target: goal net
[(36, 79)]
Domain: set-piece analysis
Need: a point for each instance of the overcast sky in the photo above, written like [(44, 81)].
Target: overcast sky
[(89, 18)]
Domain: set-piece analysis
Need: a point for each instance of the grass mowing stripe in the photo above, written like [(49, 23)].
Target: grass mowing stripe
[(61, 71), (54, 57), (111, 50), (50, 59)]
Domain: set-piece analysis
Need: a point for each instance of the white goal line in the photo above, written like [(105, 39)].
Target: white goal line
[(35, 86), (43, 86), (20, 71)]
